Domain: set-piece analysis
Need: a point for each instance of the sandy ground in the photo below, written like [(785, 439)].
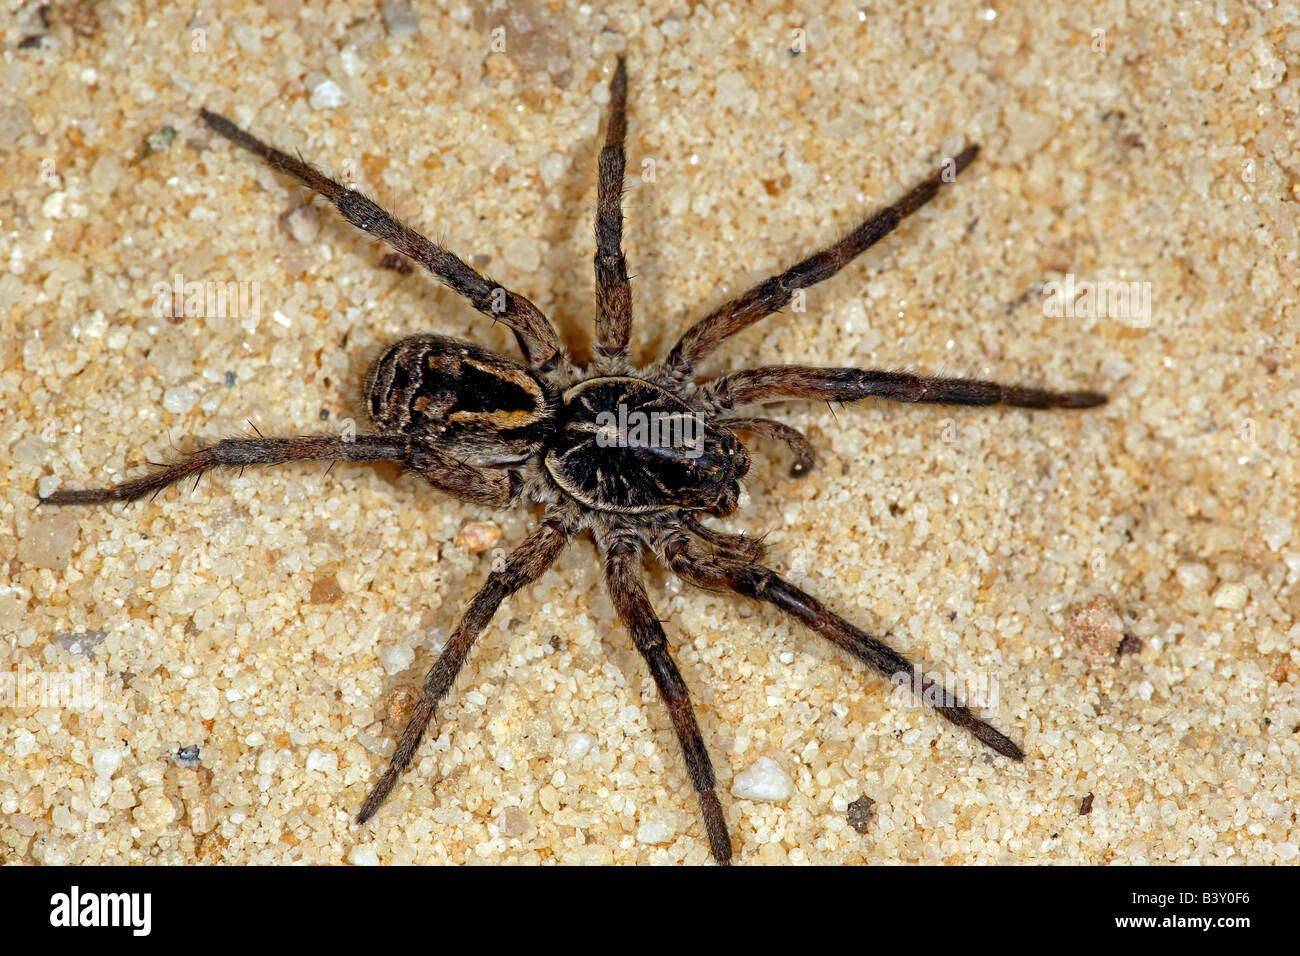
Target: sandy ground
[(218, 675)]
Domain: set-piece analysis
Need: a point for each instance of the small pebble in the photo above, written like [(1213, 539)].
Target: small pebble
[(1270, 69), (551, 169), (477, 536), (1232, 596), (179, 399), (47, 485), (732, 87), (49, 541), (1277, 531), (523, 253), (302, 223), (399, 18), (764, 781), (326, 95), (401, 703), (52, 206), (323, 762), (861, 812), (653, 832), (937, 812), (106, 762), (350, 60), (363, 856), (83, 644), (159, 140), (1097, 629), (155, 812), (324, 590), (15, 121), (1192, 575), (395, 658), (577, 746), (29, 451), (512, 822)]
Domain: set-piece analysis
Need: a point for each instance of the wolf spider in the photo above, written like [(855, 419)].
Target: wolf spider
[(488, 429)]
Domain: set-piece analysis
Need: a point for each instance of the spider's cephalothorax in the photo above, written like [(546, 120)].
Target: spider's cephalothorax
[(628, 446), (632, 456)]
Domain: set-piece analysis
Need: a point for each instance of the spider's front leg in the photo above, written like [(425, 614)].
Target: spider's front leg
[(623, 579), (722, 573), (536, 335), (773, 382), (773, 293), (523, 566), (440, 469), (613, 293)]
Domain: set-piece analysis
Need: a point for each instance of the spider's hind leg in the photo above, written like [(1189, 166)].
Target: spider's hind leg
[(626, 590), (523, 566), (720, 573)]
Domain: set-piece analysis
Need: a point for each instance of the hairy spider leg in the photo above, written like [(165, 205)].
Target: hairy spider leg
[(722, 573), (522, 566), (850, 384), (702, 338), (441, 470), (613, 292), (623, 580), (537, 337)]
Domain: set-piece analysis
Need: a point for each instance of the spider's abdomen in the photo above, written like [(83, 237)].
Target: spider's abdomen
[(467, 399), (623, 444)]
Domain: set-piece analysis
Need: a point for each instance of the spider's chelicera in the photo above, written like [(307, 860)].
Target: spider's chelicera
[(633, 455)]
